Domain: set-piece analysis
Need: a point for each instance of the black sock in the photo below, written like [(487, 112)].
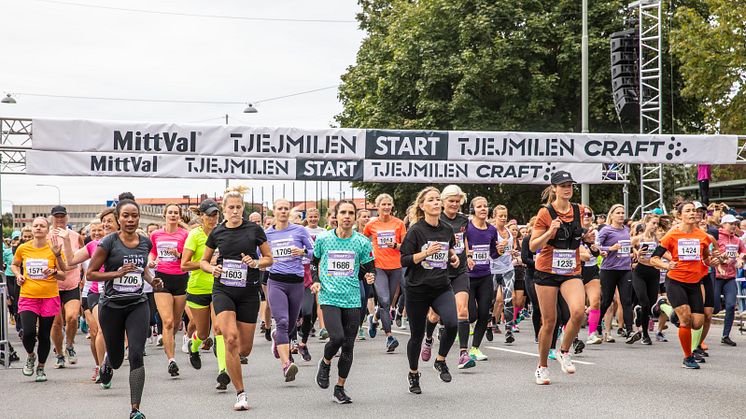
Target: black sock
[(463, 334), (429, 329)]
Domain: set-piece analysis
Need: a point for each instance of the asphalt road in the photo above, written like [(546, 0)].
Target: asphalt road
[(616, 380)]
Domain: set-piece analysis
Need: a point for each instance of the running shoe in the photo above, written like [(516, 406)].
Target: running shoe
[(41, 376), (414, 383), (59, 362), (185, 344), (294, 347), (360, 333), (136, 414), (194, 357), (244, 359), (565, 360), (304, 353), (28, 369), (372, 326), (323, 334), (552, 354), (621, 332), (173, 369), (655, 310), (223, 380), (159, 341), (593, 339), (698, 358), (340, 396), (608, 338), (95, 374), (638, 315), (660, 337), (701, 352), (322, 374), (207, 344), (72, 357), (725, 340), (262, 327), (83, 325), (274, 345), (633, 337), (427, 350), (690, 363), (465, 361), (516, 329), (397, 319), (443, 373), (391, 344), (509, 335), (105, 374), (542, 376), (268, 335), (578, 346), (242, 402), (646, 340), (289, 370), (476, 354), (488, 334)]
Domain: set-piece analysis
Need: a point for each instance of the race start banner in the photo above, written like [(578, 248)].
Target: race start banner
[(138, 149)]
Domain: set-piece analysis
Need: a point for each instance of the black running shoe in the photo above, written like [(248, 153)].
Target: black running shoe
[(244, 360), (322, 374), (223, 380), (509, 335), (634, 337), (340, 396), (268, 335), (579, 345), (173, 369), (194, 357), (443, 373), (727, 341), (701, 352), (136, 414), (488, 334), (646, 340), (698, 358), (638, 316), (105, 374), (414, 383)]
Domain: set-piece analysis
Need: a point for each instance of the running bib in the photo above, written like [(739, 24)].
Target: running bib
[(563, 261), (688, 249), (340, 264), (625, 248), (129, 282), (458, 247), (386, 238), (282, 250), (35, 268), (481, 254), (163, 251), (731, 250), (438, 260), (647, 249), (234, 273)]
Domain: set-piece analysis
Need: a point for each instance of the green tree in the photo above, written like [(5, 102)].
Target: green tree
[(8, 220), (488, 65), (708, 39)]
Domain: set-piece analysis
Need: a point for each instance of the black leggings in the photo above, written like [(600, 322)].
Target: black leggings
[(611, 280), (535, 310), (645, 281), (481, 294), (28, 320), (342, 325), (307, 308), (444, 304)]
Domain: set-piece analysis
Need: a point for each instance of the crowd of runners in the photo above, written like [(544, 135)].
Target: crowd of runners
[(469, 276)]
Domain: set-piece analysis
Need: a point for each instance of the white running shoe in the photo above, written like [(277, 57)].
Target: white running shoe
[(565, 360), (242, 402), (185, 345), (542, 376), (594, 339)]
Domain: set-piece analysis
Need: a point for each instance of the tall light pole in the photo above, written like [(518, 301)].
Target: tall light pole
[(59, 193), (584, 188)]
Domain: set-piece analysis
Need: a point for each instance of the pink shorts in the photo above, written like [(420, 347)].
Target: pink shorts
[(43, 307)]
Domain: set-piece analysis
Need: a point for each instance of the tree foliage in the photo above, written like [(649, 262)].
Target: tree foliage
[(709, 38), (487, 65)]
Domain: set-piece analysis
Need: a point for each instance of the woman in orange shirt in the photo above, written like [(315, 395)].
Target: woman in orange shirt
[(39, 300), (688, 246)]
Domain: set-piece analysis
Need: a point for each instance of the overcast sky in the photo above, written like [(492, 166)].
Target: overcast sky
[(58, 48)]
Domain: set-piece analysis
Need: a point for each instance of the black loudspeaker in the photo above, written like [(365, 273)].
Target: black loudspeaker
[(625, 84)]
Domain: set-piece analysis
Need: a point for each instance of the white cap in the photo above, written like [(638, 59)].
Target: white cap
[(728, 218), (453, 190), (697, 205)]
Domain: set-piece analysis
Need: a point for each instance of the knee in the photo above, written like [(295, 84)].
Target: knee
[(337, 341), (136, 359), (576, 314), (450, 323), (686, 321), (231, 341), (168, 324), (282, 324), (462, 312)]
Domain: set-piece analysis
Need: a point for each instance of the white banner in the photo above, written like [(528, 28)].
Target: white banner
[(372, 144), (221, 167)]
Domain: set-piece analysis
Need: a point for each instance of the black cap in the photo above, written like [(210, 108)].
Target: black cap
[(561, 177), (209, 207), (59, 209)]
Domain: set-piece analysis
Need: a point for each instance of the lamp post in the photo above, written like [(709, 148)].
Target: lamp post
[(59, 193)]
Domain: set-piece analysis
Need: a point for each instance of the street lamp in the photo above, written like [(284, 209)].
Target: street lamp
[(59, 193), (249, 109), (8, 99)]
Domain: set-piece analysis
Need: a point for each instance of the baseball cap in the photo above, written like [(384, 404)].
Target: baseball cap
[(59, 209), (16, 234), (560, 177), (728, 218), (208, 206), (657, 211), (698, 205)]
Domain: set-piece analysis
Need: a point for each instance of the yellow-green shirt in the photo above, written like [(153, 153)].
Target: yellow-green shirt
[(200, 282)]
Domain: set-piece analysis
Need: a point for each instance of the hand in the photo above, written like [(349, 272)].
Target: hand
[(173, 251), (604, 254), (470, 263), (20, 280), (127, 268), (433, 249), (54, 245), (249, 261), (555, 225), (296, 251), (152, 264), (316, 287), (370, 278), (49, 272), (615, 247), (217, 270), (594, 247), (157, 283), (671, 265), (501, 247), (61, 232), (455, 261)]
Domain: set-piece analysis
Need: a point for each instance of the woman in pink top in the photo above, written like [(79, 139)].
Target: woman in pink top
[(165, 258)]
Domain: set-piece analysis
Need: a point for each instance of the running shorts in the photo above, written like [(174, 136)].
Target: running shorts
[(69, 295), (682, 293), (460, 283), (173, 284), (245, 304)]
